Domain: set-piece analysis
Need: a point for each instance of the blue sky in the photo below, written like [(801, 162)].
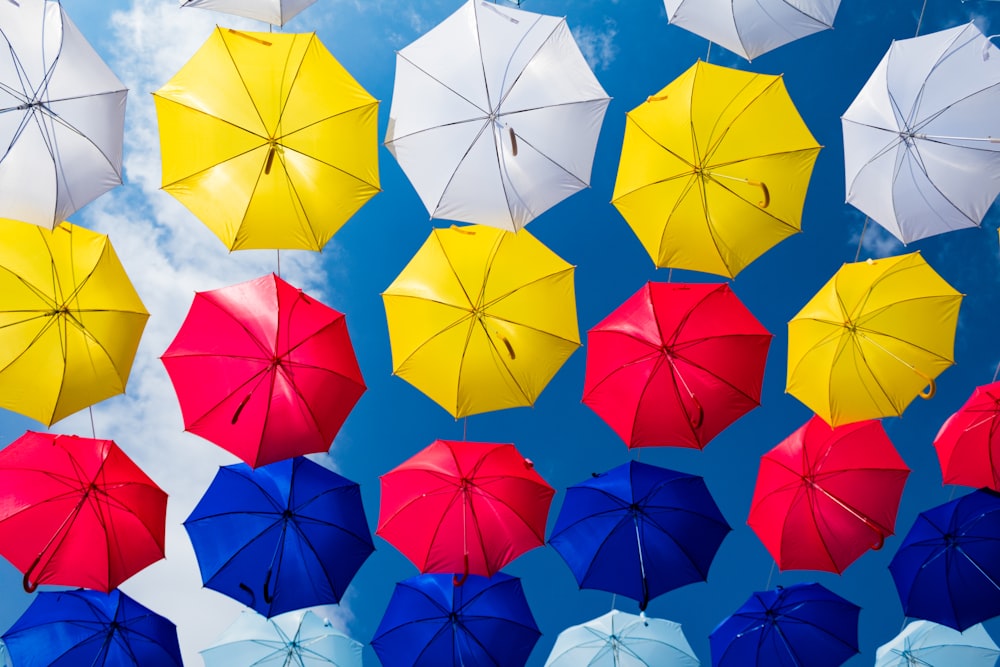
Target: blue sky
[(634, 53)]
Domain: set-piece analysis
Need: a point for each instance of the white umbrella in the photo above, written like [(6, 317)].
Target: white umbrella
[(495, 115), (752, 27), (931, 645), (275, 12), (62, 116), (618, 639), (922, 138)]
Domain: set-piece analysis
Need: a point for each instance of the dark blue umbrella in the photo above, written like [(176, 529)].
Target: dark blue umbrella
[(804, 625), (430, 622), (639, 530), (92, 628), (285, 536), (947, 568)]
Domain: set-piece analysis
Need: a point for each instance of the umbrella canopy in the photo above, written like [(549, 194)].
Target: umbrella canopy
[(62, 116), (268, 140), (77, 512), (675, 364), (804, 624), (639, 530), (464, 507), (430, 622), (282, 537), (275, 12), (968, 444), (70, 320), (264, 371), (918, 152), (618, 639), (714, 169), (495, 115), (481, 319), (872, 339), (91, 628), (824, 496), (932, 645)]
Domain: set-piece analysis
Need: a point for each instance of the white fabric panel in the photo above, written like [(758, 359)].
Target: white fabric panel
[(275, 12)]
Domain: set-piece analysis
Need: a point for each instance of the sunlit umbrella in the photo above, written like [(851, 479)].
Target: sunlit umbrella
[(268, 140), (495, 115), (618, 639), (932, 645), (275, 12), (968, 444)]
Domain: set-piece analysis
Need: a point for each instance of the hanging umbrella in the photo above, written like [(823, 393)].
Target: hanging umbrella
[(639, 530), (872, 339), (62, 116), (675, 364), (618, 639), (968, 444), (91, 628), (70, 320), (932, 645), (481, 319), (464, 507), (77, 512), (919, 152), (268, 140), (804, 624), (286, 536), (264, 371), (714, 169), (275, 12), (430, 622), (824, 496)]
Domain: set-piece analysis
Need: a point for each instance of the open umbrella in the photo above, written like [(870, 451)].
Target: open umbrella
[(263, 370), (62, 116), (77, 512), (286, 536), (481, 319), (675, 364), (968, 443), (495, 115), (275, 12), (933, 645), (714, 169), (618, 639), (639, 530), (872, 339), (268, 140)]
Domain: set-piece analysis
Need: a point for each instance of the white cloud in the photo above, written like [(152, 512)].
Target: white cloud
[(875, 241), (598, 44)]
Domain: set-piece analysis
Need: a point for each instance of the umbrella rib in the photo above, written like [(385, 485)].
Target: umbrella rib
[(716, 142), (524, 285), (485, 112), (503, 501), (527, 61)]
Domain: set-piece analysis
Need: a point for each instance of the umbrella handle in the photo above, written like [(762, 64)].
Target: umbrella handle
[(253, 597), (269, 160), (513, 142), (881, 540), (26, 583), (459, 580), (268, 598), (931, 389), (767, 193), (250, 37), (239, 409), (697, 422), (510, 348)]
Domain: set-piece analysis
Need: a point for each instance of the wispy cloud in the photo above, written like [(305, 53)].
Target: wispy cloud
[(876, 241), (598, 44)]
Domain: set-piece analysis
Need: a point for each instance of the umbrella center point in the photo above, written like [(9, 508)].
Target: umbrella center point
[(287, 515)]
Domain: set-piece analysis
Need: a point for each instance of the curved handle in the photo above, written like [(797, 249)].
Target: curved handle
[(644, 602), (881, 539), (253, 598), (510, 348), (462, 230), (459, 580), (250, 37), (767, 193), (26, 583), (269, 160), (986, 47), (513, 141), (700, 419), (656, 98), (239, 409), (268, 598), (930, 389)]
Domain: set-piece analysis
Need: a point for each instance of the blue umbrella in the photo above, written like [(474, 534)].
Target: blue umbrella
[(804, 625), (285, 536), (947, 568), (85, 627), (430, 622), (639, 530)]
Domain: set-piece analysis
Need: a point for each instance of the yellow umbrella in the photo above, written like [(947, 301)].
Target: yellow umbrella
[(481, 319), (70, 320), (268, 140), (872, 339), (714, 169)]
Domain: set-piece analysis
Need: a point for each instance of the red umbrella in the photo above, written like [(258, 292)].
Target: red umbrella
[(968, 444), (77, 512), (264, 371), (824, 496), (675, 364), (464, 507)]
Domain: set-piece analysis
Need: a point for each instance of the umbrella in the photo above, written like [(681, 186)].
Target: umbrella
[(464, 507), (264, 371), (91, 628), (932, 645), (639, 530), (296, 639), (714, 169), (495, 115), (824, 496), (77, 512), (430, 622), (481, 319), (275, 12), (947, 569), (752, 27), (918, 152), (968, 444), (62, 116), (268, 140), (286, 536), (675, 364), (872, 339), (618, 639), (803, 624), (70, 320)]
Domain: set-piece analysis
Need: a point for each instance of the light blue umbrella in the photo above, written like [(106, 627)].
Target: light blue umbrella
[(619, 639), (933, 645)]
